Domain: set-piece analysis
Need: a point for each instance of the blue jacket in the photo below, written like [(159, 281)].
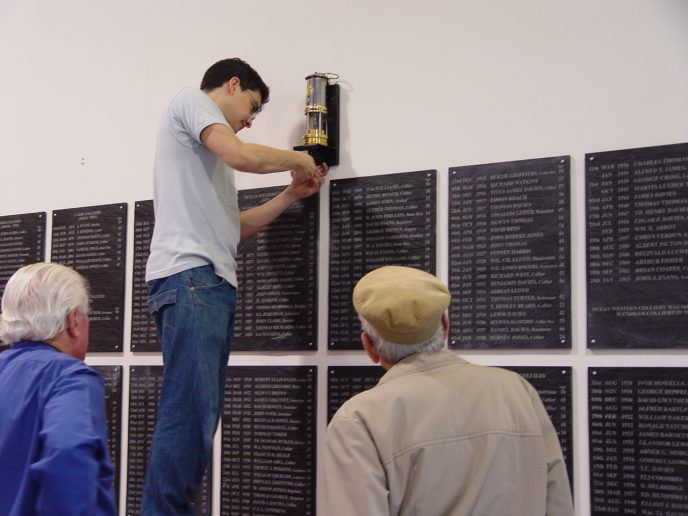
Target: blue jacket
[(53, 435)]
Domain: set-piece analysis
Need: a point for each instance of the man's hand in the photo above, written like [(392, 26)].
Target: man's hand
[(306, 170), (301, 189)]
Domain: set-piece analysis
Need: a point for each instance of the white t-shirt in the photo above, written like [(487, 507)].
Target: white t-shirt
[(196, 209)]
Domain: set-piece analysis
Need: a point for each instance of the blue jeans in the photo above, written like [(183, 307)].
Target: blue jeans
[(194, 314)]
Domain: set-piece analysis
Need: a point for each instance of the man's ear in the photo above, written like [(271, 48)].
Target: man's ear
[(445, 324), (73, 323), (370, 348), (233, 84)]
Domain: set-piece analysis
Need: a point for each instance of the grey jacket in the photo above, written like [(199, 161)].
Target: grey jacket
[(441, 437)]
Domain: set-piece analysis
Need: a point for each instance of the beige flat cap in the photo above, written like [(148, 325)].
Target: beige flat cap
[(402, 304)]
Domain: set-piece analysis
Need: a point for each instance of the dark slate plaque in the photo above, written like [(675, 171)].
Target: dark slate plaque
[(92, 240), (638, 430), (277, 273), (637, 245), (112, 376), (509, 264), (269, 441), (344, 382), (553, 384), (143, 334), (22, 242), (144, 392), (375, 221)]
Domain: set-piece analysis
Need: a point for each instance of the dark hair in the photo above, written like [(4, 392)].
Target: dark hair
[(224, 70)]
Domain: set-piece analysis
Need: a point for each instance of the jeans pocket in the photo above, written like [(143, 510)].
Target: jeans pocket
[(204, 277), (158, 301)]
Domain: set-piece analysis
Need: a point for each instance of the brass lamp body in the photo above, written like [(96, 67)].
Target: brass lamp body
[(322, 119)]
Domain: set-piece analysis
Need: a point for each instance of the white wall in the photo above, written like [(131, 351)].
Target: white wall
[(428, 84)]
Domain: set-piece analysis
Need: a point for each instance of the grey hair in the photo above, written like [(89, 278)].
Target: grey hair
[(38, 298), (392, 352)]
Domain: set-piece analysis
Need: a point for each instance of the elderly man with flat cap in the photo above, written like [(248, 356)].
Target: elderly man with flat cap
[(437, 436)]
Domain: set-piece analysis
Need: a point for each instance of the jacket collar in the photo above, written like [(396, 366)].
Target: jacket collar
[(421, 362)]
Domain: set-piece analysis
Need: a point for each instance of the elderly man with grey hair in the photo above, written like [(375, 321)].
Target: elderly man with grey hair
[(53, 436), (437, 435)]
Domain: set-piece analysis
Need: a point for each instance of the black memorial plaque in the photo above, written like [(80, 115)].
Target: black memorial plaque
[(277, 275), (509, 263), (375, 221), (144, 392), (143, 334), (92, 240), (22, 242), (112, 377), (269, 441), (637, 245), (638, 429), (344, 382), (553, 384)]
